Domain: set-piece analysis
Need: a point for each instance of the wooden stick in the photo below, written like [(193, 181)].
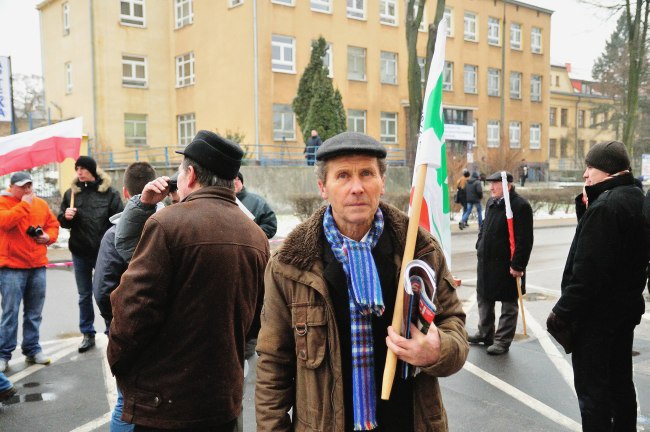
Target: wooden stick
[(71, 198), (521, 304), (409, 251)]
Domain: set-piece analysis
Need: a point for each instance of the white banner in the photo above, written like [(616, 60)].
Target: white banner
[(5, 90), (645, 166)]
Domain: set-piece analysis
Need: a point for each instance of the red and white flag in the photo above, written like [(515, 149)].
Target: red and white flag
[(509, 216), (41, 146)]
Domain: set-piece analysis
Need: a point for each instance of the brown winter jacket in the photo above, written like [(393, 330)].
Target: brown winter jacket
[(182, 311), (303, 370)]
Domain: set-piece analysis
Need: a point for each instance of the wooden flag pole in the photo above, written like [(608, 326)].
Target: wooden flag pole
[(521, 304), (71, 198), (409, 251)]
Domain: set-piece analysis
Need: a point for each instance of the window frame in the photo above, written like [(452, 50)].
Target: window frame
[(353, 11), (449, 14), (552, 116), (513, 81), (133, 20), (491, 90), (474, 70), (129, 141), (468, 18), (364, 51), (535, 144), (516, 29), (536, 36), (182, 21), (286, 109), (494, 133), (180, 61), (278, 65), (290, 3), (325, 4), (536, 88), (514, 132), (134, 61), (235, 3), (385, 121), (355, 119), (384, 17), (448, 72), (65, 10), (67, 70), (183, 121), (492, 39), (384, 64)]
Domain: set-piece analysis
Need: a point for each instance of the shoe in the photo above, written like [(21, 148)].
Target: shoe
[(38, 358), (461, 225), (497, 349), (7, 394), (477, 339), (4, 365), (87, 343)]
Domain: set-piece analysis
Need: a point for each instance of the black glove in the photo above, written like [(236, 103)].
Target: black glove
[(560, 330)]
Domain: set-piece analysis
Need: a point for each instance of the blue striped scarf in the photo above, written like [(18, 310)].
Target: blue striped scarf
[(364, 290)]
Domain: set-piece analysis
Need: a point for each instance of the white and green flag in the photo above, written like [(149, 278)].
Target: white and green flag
[(431, 151)]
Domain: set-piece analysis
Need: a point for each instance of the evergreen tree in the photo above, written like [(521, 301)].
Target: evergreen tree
[(317, 104)]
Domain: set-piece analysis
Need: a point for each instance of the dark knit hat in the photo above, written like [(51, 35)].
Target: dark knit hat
[(497, 177), (88, 163), (350, 143), (214, 153), (610, 157)]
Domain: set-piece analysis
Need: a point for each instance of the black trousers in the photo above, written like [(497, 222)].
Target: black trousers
[(602, 369), (229, 427)]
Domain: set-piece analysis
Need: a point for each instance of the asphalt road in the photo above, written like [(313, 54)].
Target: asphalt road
[(528, 389)]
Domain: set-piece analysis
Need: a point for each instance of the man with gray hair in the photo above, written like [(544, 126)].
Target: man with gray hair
[(188, 299), (330, 296)]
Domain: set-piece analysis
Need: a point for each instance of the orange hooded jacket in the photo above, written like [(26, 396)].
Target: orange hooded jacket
[(17, 249)]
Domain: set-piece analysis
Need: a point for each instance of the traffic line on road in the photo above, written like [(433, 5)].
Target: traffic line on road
[(70, 347), (109, 380), (553, 353), (524, 398), (94, 424)]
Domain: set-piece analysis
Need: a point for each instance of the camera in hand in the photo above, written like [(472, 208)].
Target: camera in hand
[(173, 185), (35, 231)]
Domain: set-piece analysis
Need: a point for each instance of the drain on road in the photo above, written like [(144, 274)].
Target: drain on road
[(534, 296)]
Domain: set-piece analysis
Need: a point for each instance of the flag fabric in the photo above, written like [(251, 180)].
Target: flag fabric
[(41, 146), (431, 151), (509, 216)]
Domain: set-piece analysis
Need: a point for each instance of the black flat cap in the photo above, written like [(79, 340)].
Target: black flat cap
[(497, 177), (214, 153), (347, 143)]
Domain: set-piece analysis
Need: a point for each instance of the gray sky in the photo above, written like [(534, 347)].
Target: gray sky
[(578, 34)]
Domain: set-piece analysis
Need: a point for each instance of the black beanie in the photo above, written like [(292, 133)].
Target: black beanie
[(218, 155), (88, 163), (610, 157)]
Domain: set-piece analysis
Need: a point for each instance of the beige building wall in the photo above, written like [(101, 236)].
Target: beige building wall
[(222, 41)]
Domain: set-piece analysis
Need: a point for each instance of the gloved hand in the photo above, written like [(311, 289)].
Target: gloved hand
[(560, 330), (554, 323)]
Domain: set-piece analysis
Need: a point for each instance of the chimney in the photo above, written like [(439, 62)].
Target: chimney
[(568, 67)]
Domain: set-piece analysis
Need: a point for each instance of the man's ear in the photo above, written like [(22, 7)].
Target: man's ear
[(191, 176), (323, 191), (125, 193)]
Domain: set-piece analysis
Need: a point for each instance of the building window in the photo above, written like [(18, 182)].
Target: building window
[(66, 18), (357, 9), (282, 58), (564, 147), (536, 40), (283, 123), (450, 22), (328, 60), (581, 118), (535, 136), (448, 76), (553, 116), (515, 36), (186, 128), (515, 85), (494, 82), (356, 64), (514, 134), (388, 128), (134, 71), (552, 147), (422, 62), (321, 6), (132, 12), (68, 77), (184, 13), (357, 121), (494, 31), (185, 70), (470, 27), (455, 116), (388, 67), (388, 12), (233, 3), (283, 2), (470, 78), (564, 115), (493, 132), (135, 130), (593, 119), (581, 147), (536, 88)]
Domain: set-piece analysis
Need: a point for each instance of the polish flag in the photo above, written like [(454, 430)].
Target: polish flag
[(40, 146)]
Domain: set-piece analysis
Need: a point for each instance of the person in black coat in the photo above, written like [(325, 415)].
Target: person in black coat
[(313, 143), (497, 271), (602, 290)]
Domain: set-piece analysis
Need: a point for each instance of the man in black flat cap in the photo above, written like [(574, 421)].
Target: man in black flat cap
[(602, 290), (328, 307), (189, 297), (497, 270)]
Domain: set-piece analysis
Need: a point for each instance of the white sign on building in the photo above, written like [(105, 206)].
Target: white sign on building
[(5, 90), (457, 132)]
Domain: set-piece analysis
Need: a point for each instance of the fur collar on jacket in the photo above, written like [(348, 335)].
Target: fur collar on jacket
[(101, 188), (304, 244)]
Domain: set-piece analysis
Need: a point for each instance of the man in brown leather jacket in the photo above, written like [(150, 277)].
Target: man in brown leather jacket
[(312, 334)]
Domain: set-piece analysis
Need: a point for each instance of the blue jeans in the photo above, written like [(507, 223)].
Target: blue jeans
[(28, 286), (83, 274), (118, 425), (5, 384), (479, 209)]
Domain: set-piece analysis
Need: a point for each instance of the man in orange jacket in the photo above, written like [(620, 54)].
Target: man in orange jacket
[(27, 226)]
